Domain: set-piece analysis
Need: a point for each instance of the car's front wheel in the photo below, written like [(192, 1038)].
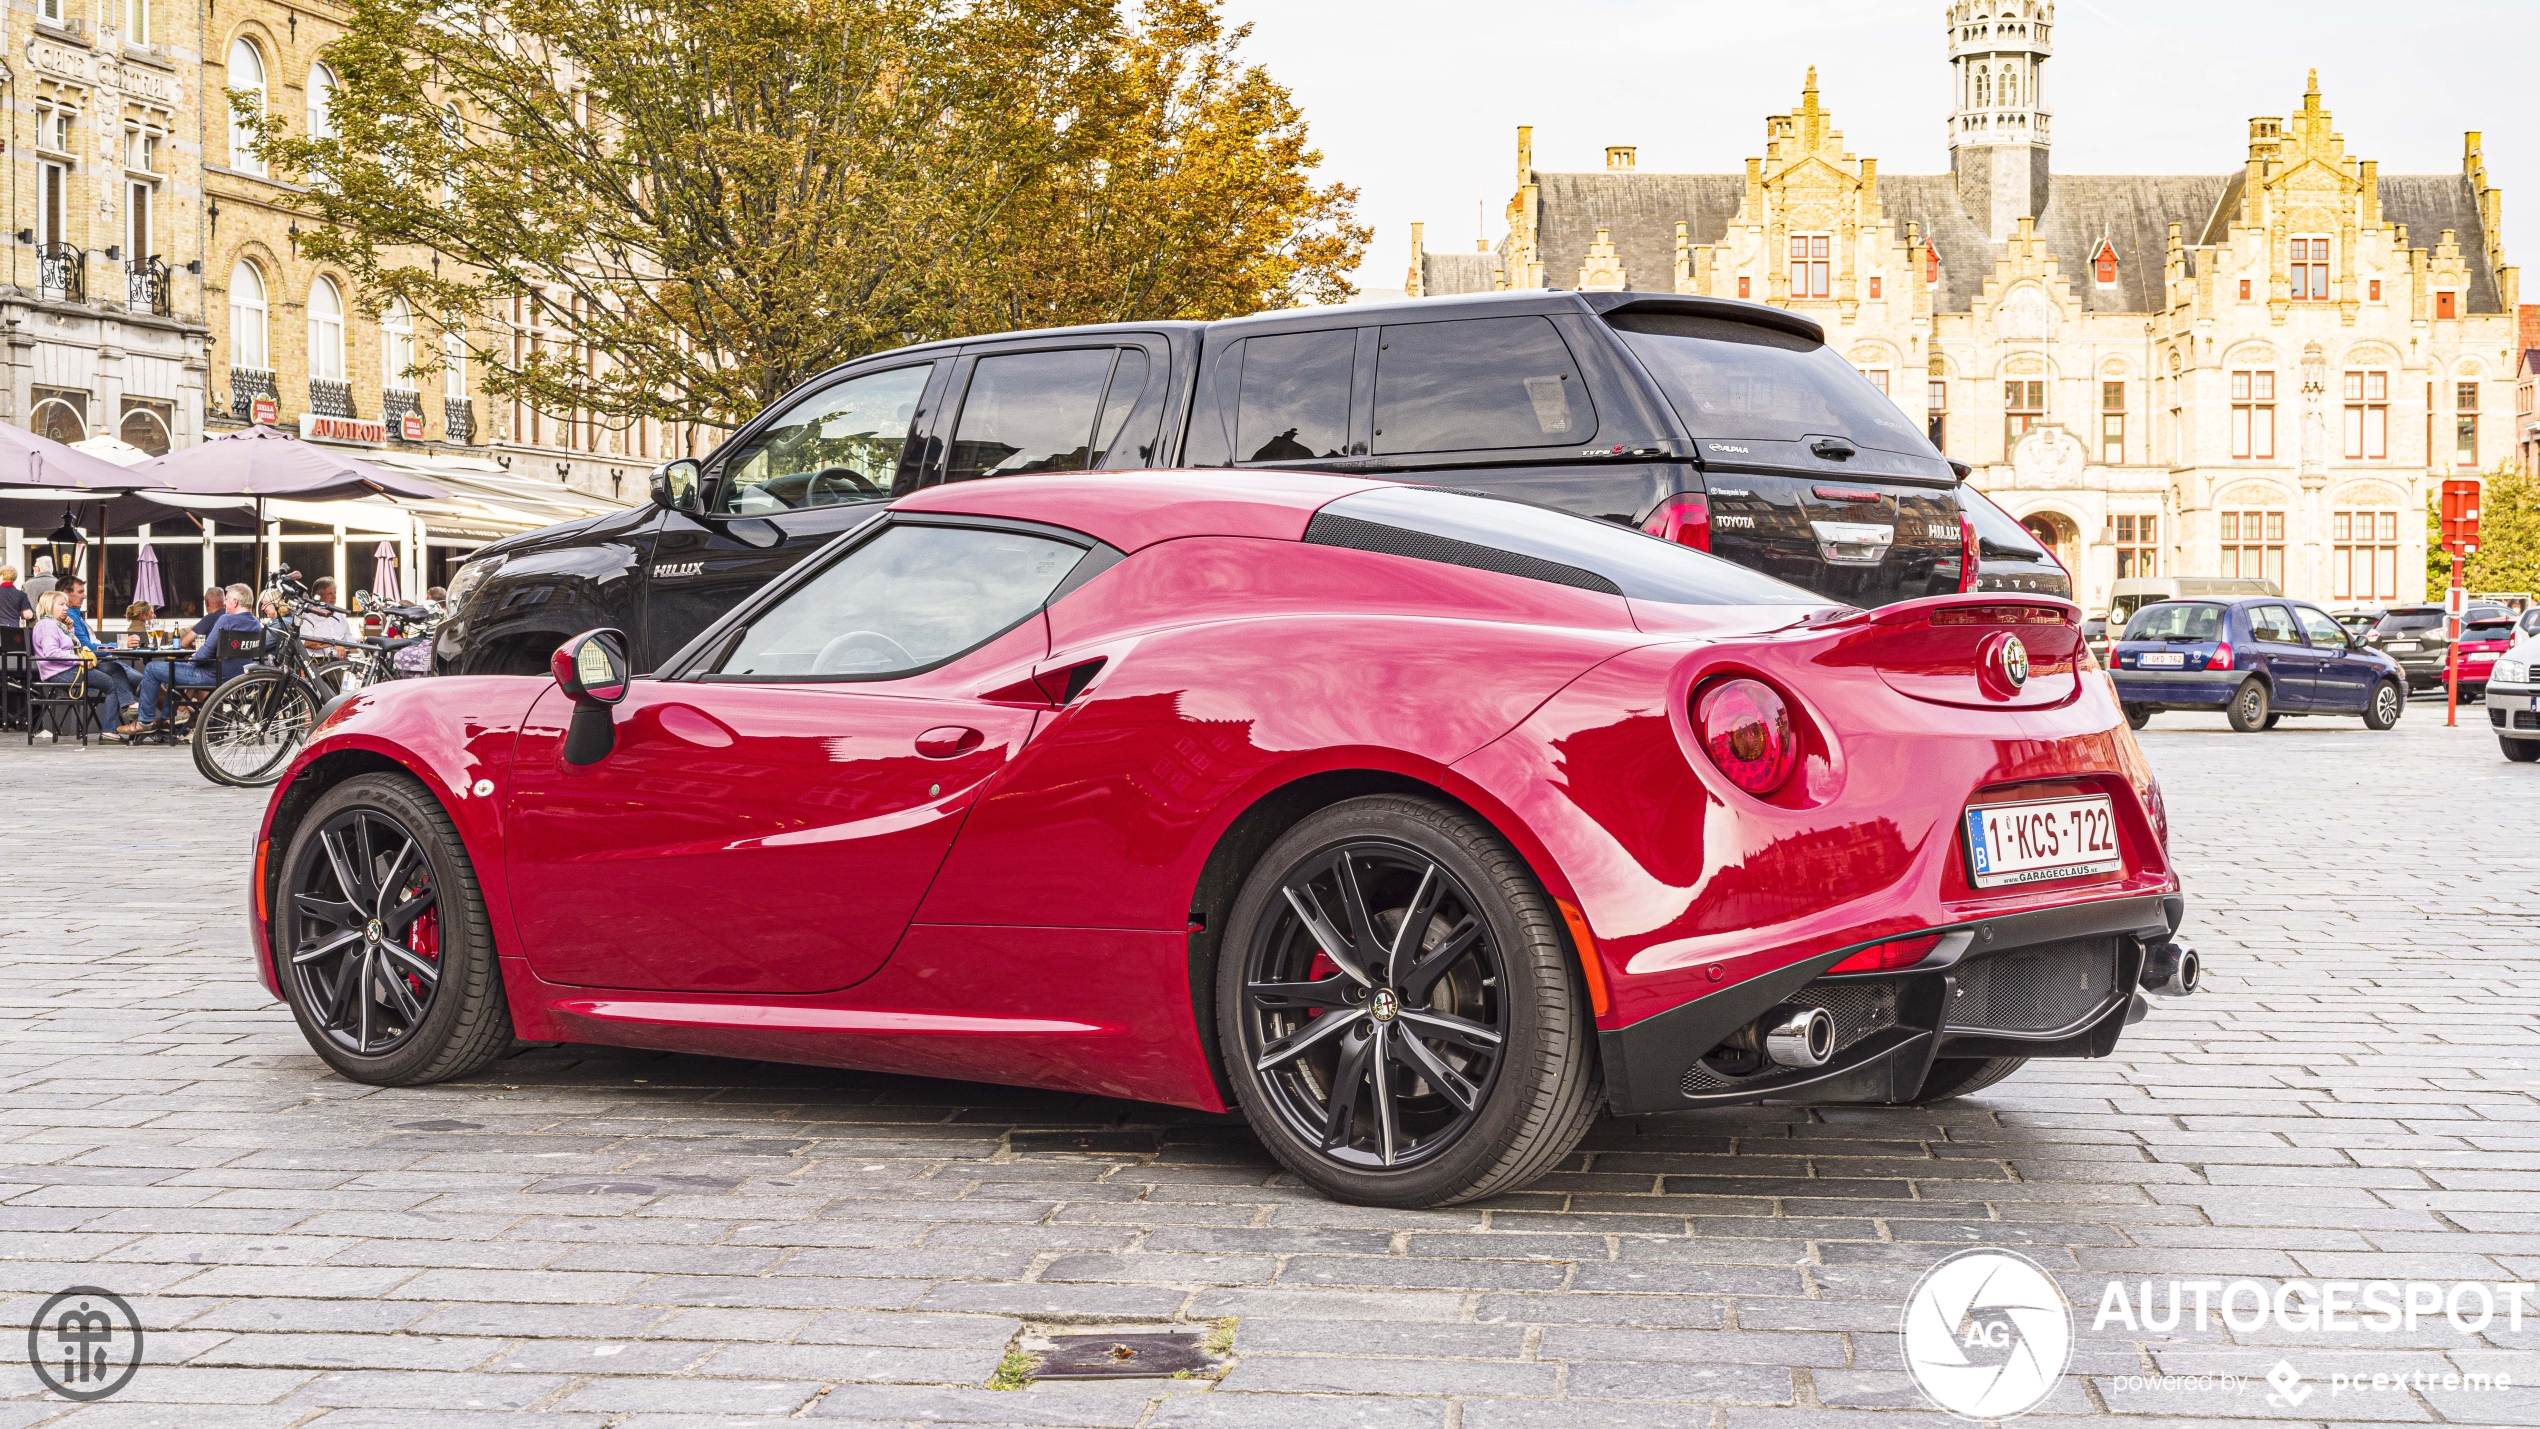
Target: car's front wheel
[(2520, 751), (1403, 1018), (2388, 702), (2248, 710), (380, 938)]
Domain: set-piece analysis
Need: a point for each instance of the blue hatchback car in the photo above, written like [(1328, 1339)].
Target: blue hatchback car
[(2256, 659)]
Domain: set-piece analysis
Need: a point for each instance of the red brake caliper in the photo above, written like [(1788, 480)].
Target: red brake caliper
[(423, 937), (1317, 970)]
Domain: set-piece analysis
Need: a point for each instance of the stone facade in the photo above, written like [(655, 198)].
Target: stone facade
[(2258, 371), (103, 303)]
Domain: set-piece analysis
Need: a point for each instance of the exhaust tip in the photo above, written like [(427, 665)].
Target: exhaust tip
[(1799, 1036), (2172, 969)]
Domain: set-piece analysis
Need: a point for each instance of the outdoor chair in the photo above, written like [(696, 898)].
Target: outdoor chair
[(17, 671), (53, 706)]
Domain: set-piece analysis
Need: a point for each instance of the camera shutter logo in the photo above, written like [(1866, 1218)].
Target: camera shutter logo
[(85, 1343), (1987, 1334)]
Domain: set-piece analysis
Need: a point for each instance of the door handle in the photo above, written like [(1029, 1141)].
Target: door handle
[(950, 741)]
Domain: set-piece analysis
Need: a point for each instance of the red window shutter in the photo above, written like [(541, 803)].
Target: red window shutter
[(1742, 288), (1874, 287), (2244, 290)]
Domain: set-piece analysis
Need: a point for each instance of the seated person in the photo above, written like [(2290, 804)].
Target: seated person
[(136, 620), (211, 616), (206, 668), (325, 626), (58, 655), (118, 679)]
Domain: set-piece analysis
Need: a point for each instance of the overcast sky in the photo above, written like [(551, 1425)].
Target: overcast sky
[(1417, 102)]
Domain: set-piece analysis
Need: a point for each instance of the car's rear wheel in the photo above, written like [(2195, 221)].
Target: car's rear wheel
[(2520, 751), (1958, 1076), (2137, 716), (2388, 702), (380, 938), (2248, 711), (1404, 1021)]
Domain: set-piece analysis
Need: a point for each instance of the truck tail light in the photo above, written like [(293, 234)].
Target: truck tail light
[(1683, 519), (1970, 554), (2222, 657)]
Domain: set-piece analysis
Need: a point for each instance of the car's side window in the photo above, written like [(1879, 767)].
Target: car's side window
[(2273, 623), (2324, 632), (1478, 383), (1042, 411), (911, 597), (1293, 398), (841, 443)]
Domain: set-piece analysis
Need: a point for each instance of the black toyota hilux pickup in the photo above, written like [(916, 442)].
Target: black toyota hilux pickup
[(1724, 425)]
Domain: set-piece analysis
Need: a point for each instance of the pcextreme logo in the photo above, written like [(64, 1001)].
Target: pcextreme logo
[(1987, 1334)]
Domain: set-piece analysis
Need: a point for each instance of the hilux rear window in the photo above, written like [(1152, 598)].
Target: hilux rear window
[(1462, 528), (1732, 379)]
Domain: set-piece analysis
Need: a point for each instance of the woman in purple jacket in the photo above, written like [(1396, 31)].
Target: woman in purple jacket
[(58, 654)]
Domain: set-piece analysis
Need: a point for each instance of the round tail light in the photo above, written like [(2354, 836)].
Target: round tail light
[(1744, 726)]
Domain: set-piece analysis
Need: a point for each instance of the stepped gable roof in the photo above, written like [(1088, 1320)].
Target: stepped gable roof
[(1640, 212), (1966, 254), (2430, 203), (1448, 275)]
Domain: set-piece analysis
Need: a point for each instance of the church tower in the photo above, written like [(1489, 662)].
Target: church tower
[(1997, 114)]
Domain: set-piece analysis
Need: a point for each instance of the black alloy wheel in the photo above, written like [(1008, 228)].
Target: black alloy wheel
[(1402, 1015), (365, 931), (380, 937), (1374, 1009)]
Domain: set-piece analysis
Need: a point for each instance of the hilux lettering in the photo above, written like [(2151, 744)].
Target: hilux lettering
[(669, 569)]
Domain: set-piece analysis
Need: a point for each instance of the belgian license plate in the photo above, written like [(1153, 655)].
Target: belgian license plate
[(2401, 645), (2164, 660), (2042, 840)]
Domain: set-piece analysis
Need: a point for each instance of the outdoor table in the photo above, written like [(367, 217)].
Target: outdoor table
[(162, 730)]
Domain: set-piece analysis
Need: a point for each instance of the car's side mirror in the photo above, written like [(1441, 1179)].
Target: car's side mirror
[(680, 486), (591, 669)]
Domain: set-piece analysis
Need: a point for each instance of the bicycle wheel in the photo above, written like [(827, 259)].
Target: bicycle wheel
[(250, 727)]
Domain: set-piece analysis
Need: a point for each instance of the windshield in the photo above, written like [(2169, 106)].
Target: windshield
[(2404, 622), (2489, 630), (1734, 379), (2001, 535), (2176, 622)]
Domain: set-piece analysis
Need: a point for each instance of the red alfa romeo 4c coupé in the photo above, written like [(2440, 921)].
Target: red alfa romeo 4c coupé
[(1416, 824)]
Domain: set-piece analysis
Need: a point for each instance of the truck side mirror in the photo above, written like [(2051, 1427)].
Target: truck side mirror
[(680, 486)]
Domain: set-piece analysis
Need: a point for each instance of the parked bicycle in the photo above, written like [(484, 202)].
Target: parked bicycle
[(248, 730)]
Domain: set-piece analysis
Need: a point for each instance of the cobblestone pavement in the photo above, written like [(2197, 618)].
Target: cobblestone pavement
[(598, 1237)]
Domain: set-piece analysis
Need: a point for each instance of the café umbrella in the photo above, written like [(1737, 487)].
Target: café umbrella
[(40, 474), (383, 581), (262, 463), (145, 579)]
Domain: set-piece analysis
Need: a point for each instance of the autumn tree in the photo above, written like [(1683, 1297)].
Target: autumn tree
[(706, 203)]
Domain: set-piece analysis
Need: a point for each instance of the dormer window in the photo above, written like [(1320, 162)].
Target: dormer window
[(2103, 265), (1931, 264), (2447, 304)]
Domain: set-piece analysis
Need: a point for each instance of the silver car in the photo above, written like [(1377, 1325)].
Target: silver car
[(2513, 699)]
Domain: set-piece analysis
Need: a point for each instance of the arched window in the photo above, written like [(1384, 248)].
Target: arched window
[(143, 428), (2010, 88), (397, 325), (58, 420), (246, 72), (326, 331), (1984, 88), (321, 102), (247, 346)]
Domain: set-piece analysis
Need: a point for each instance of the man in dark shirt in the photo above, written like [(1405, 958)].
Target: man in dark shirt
[(206, 668), (17, 608)]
